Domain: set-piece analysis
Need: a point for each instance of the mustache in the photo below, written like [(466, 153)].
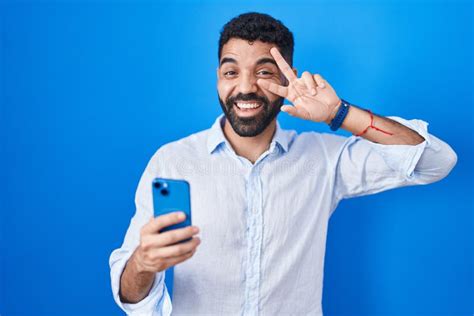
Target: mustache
[(247, 97)]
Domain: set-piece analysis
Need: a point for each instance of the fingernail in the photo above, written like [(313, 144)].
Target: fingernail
[(181, 215), (313, 91), (196, 230)]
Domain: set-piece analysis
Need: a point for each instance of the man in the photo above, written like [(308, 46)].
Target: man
[(261, 196)]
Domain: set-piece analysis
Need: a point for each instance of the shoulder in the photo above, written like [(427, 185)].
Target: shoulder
[(189, 146), (176, 153)]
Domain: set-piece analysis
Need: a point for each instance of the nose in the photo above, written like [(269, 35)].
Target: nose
[(248, 83)]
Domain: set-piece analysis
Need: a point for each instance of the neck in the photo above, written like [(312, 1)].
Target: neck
[(250, 147)]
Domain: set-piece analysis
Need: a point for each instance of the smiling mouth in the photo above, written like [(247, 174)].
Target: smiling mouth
[(248, 105)]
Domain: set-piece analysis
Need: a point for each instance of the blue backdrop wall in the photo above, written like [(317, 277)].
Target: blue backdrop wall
[(90, 89)]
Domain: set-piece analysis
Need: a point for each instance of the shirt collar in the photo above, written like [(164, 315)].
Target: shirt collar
[(216, 136)]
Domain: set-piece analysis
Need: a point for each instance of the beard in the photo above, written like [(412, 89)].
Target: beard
[(251, 126)]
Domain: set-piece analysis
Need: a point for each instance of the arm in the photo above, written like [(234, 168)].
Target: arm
[(357, 121), (364, 167), (374, 162), (135, 283), (314, 99), (157, 296), (137, 267)]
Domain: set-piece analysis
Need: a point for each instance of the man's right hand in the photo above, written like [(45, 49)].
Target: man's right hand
[(155, 253), (159, 251)]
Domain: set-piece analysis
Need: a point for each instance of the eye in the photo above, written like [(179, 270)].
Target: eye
[(265, 73), (230, 73)]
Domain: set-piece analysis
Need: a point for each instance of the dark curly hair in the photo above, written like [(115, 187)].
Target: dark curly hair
[(254, 26)]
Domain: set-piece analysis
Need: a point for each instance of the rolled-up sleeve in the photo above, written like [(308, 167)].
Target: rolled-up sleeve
[(362, 167), (158, 301)]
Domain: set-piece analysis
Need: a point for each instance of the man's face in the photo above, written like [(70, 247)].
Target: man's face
[(248, 108)]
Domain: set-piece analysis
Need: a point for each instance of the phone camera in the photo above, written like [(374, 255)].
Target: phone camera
[(157, 185), (165, 192)]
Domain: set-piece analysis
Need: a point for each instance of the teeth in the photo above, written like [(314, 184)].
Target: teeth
[(248, 105)]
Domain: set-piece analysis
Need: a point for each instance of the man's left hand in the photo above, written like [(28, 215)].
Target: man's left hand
[(313, 97)]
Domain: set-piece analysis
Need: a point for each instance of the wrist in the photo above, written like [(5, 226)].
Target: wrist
[(135, 281), (136, 263), (333, 112), (340, 117)]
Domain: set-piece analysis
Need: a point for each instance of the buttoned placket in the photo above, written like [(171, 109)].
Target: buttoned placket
[(254, 229)]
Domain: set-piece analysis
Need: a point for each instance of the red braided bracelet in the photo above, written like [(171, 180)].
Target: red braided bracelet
[(372, 126)]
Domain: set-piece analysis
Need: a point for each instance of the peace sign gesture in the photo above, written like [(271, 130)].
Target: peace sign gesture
[(312, 96)]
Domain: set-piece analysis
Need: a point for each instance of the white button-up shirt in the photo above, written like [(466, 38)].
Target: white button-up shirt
[(263, 225)]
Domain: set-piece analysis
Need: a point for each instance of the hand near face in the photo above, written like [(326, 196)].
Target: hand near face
[(313, 97)]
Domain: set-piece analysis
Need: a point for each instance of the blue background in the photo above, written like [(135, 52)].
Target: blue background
[(90, 89)]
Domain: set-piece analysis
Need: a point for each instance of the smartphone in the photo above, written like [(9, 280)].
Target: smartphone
[(172, 195)]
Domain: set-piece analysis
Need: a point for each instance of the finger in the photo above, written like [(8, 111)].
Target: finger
[(158, 223), (309, 82), (297, 112), (274, 88), (175, 260), (179, 249), (283, 65), (320, 81), (171, 237)]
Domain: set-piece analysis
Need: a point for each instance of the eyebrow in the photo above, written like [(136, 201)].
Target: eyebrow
[(261, 61), (228, 60), (265, 60)]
